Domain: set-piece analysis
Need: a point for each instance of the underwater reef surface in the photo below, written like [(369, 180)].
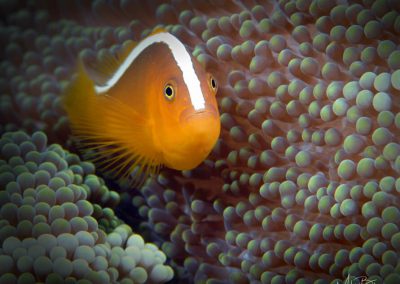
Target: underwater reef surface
[(57, 223), (303, 185)]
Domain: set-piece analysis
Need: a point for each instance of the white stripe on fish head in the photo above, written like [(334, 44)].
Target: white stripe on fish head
[(182, 59)]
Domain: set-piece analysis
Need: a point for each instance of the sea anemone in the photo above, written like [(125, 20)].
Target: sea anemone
[(55, 223), (303, 184)]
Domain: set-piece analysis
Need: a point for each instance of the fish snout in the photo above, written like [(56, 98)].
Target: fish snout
[(188, 114), (195, 136)]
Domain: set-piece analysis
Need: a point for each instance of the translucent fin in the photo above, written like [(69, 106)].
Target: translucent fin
[(157, 30), (108, 62), (109, 132)]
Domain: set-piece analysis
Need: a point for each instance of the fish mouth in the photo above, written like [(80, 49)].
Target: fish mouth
[(190, 113)]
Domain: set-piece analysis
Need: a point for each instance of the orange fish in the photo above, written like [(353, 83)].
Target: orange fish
[(156, 107)]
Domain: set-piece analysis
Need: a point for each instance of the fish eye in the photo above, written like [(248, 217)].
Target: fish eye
[(169, 92), (213, 84)]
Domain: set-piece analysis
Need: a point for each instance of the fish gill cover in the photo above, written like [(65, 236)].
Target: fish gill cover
[(302, 187)]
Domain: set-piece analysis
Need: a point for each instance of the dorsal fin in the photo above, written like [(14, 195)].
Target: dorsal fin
[(108, 62), (158, 29), (110, 65)]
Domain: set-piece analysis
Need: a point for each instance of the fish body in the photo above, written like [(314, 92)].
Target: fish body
[(157, 107)]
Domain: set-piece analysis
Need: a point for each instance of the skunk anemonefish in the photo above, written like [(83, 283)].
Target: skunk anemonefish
[(156, 106)]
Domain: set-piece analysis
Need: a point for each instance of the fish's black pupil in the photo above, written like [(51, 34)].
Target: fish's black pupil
[(213, 83), (168, 91)]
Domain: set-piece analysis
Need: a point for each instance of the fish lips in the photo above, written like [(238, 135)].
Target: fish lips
[(188, 114)]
